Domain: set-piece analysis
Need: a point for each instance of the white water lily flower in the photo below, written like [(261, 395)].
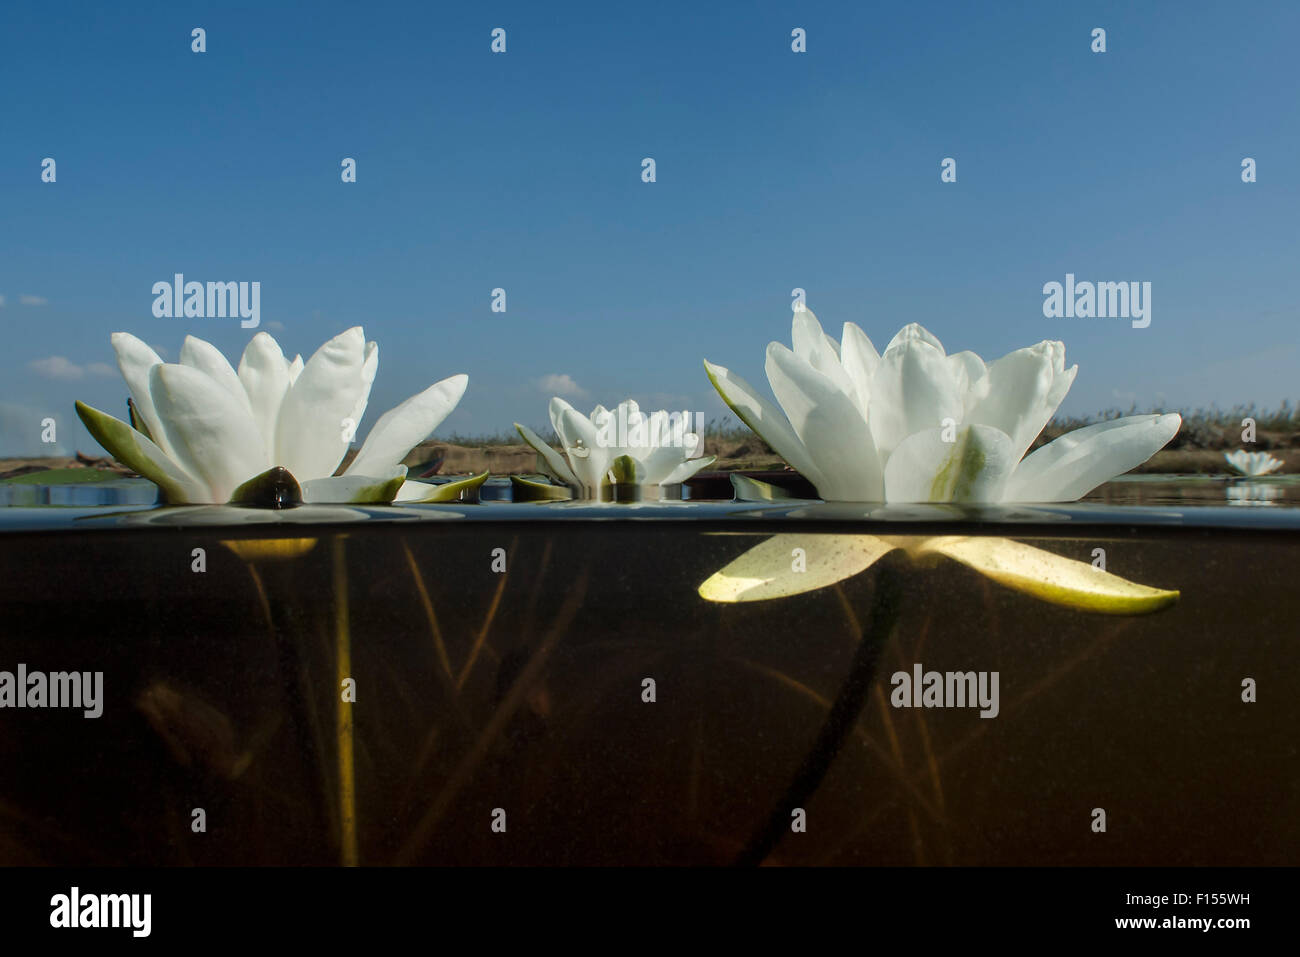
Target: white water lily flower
[(624, 446), (205, 429), (915, 424), (1252, 463)]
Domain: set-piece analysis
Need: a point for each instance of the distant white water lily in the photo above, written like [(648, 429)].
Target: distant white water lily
[(1252, 463), (204, 429), (917, 425), (622, 446)]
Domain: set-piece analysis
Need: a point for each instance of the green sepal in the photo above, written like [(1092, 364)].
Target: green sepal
[(527, 490), (451, 491), (754, 490)]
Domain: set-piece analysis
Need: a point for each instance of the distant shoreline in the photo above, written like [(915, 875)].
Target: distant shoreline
[(733, 456)]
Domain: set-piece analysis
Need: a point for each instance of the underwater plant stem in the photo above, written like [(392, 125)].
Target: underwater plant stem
[(843, 716), (465, 770), (343, 658), (443, 658)]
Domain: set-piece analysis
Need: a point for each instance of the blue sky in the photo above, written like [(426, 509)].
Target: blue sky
[(775, 170)]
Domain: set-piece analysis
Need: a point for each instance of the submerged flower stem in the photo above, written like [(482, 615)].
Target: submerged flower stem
[(469, 764), (843, 716), (343, 658)]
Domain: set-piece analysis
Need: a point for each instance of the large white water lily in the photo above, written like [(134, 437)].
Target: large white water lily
[(915, 424), (1252, 463), (202, 429), (620, 446)]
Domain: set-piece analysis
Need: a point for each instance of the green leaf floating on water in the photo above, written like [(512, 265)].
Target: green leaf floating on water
[(774, 569), (447, 491), (528, 490), (63, 477), (1048, 576)]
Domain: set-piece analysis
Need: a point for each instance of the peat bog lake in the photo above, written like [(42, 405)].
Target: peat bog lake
[(498, 683)]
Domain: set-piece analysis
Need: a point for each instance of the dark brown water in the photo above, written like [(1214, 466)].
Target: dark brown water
[(522, 690)]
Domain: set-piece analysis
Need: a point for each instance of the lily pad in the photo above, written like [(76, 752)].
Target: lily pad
[(63, 477)]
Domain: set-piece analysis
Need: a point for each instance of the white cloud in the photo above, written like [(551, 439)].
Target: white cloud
[(56, 367), (101, 368), (33, 300), (20, 431), (275, 325), (161, 350), (561, 384), (2, 302)]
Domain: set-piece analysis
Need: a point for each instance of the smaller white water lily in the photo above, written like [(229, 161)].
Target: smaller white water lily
[(1252, 463), (203, 430), (622, 446), (914, 424)]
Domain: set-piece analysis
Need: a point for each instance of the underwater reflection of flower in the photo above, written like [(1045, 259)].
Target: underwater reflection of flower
[(766, 570)]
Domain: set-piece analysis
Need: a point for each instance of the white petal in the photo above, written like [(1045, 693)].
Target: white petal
[(1025, 388), (264, 374), (369, 368), (659, 463), (294, 369), (587, 458), (763, 418), (311, 437), (687, 469), (860, 360), (810, 344), (207, 358), (972, 378), (1076, 463), (973, 468), (400, 429), (914, 332), (830, 427), (135, 358), (359, 489), (914, 390), (554, 460), (213, 434)]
